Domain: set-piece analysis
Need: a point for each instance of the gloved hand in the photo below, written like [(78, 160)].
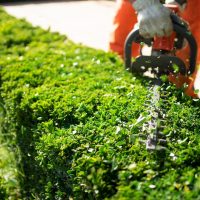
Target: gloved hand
[(153, 18)]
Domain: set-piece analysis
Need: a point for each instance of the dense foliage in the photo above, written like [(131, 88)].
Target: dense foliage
[(72, 116)]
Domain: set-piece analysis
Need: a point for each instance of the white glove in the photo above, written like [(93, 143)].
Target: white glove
[(153, 18)]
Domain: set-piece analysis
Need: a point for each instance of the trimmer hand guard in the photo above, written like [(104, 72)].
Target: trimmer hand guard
[(158, 65), (181, 29)]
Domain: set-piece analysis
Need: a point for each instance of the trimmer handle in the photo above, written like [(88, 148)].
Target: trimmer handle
[(179, 27)]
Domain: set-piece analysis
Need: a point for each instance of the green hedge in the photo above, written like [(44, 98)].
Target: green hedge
[(75, 115)]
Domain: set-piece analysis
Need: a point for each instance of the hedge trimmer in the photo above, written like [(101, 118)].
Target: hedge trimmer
[(162, 61)]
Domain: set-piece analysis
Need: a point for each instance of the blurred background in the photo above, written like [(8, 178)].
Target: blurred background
[(86, 22)]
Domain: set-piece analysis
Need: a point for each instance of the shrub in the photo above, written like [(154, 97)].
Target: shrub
[(76, 118)]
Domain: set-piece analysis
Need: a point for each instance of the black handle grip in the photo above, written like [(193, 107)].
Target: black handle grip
[(179, 27)]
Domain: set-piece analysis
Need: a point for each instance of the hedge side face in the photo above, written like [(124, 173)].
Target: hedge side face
[(76, 114)]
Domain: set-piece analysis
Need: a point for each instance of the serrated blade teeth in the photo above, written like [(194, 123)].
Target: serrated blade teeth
[(152, 145), (159, 134), (162, 141), (153, 129)]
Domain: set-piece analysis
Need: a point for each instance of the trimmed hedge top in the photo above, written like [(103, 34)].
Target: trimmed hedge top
[(76, 115)]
